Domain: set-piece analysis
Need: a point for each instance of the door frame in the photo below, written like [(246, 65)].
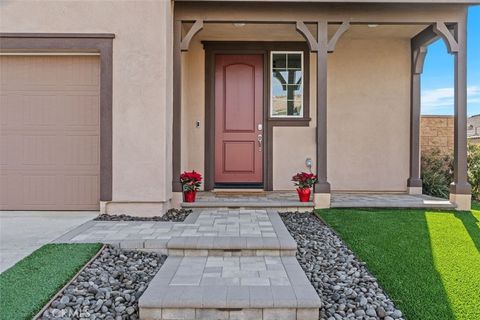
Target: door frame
[(212, 48)]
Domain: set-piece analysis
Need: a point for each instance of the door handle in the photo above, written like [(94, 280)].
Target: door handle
[(259, 139)]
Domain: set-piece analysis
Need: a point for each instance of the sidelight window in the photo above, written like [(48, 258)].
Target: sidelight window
[(286, 95)]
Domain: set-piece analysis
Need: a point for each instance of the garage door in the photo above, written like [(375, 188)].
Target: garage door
[(49, 132)]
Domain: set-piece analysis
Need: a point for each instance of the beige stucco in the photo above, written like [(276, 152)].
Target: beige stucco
[(368, 115), (142, 73)]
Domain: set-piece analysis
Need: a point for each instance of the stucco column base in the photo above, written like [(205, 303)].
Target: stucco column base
[(132, 208), (103, 207), (463, 201), (177, 199), (321, 200), (415, 190)]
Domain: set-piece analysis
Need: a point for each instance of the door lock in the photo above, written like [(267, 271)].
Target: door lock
[(259, 139)]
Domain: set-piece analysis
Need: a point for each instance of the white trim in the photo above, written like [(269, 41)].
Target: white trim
[(302, 69)]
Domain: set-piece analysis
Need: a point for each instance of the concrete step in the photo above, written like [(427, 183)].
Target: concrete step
[(230, 288)]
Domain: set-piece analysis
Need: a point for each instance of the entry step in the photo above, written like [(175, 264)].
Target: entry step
[(230, 288), (218, 203)]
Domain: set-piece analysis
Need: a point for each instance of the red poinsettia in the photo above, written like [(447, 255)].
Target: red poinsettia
[(304, 180), (191, 180)]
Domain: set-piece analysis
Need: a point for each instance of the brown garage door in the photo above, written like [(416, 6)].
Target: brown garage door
[(49, 132)]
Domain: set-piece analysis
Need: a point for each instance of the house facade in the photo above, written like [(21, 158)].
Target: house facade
[(105, 103)]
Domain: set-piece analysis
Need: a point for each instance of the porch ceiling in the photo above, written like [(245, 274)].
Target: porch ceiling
[(287, 32)]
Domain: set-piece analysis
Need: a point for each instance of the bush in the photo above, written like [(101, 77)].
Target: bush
[(473, 159), (437, 172)]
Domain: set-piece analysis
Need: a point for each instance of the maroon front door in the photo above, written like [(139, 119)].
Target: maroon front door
[(238, 119)]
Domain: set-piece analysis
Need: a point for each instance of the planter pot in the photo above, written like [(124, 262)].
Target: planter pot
[(304, 194), (189, 196)]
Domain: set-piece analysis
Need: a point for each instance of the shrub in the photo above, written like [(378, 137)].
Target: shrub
[(473, 159), (437, 172)]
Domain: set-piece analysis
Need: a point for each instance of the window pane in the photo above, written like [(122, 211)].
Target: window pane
[(287, 85), (279, 107), (279, 89), (279, 60), (294, 61)]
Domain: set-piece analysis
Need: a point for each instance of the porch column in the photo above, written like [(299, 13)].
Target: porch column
[(414, 182), (177, 107), (322, 188), (460, 189)]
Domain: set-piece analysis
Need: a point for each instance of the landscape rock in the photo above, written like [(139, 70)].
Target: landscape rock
[(173, 215), (92, 295)]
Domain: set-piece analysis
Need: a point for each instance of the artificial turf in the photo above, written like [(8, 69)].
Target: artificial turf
[(27, 286), (427, 261)]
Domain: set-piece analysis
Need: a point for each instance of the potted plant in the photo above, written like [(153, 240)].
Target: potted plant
[(190, 181), (304, 182)]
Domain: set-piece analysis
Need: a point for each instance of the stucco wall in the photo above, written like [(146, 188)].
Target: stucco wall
[(141, 81), (368, 115)]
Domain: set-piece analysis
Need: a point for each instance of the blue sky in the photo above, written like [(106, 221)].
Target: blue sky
[(437, 77)]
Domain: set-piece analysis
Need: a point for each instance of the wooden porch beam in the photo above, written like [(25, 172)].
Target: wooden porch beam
[(196, 28), (340, 31)]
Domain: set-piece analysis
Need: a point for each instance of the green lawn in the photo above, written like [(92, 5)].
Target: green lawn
[(427, 261), (27, 286)]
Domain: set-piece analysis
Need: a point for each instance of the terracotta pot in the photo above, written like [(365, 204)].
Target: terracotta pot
[(189, 196), (304, 194)]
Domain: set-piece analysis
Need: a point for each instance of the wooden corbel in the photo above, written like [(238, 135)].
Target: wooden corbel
[(443, 32), (196, 28), (418, 60), (340, 31), (305, 32)]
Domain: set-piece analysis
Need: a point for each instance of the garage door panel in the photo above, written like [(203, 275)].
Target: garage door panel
[(40, 189), (81, 189), (81, 112), (82, 150), (50, 132), (40, 150)]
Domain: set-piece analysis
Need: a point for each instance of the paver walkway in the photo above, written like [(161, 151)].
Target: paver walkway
[(248, 232), (222, 264)]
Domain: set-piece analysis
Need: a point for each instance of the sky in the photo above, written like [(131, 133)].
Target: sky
[(437, 76)]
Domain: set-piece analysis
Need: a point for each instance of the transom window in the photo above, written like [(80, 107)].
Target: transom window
[(286, 96)]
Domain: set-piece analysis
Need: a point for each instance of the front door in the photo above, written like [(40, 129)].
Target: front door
[(238, 119)]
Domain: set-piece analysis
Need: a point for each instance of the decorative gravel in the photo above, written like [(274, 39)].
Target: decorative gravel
[(174, 215), (109, 288), (346, 288)]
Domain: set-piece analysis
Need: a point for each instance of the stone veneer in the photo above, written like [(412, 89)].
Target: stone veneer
[(436, 132)]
